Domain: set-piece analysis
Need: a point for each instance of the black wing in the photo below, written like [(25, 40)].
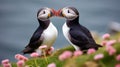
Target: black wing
[(35, 41), (78, 38), (87, 33), (81, 40)]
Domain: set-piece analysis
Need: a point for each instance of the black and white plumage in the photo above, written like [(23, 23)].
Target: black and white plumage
[(45, 34), (78, 35)]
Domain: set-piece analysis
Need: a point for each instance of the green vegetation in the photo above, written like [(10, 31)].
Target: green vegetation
[(81, 61)]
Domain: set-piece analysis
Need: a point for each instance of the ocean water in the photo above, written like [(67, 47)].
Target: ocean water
[(18, 20)]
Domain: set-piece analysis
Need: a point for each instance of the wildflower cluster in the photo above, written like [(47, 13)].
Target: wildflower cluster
[(21, 59)]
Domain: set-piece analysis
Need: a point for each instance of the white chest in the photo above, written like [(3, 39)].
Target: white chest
[(66, 29), (50, 35)]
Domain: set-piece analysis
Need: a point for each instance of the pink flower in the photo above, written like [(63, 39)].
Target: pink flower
[(52, 48), (110, 43), (7, 65), (90, 51), (34, 54), (65, 55), (20, 63), (50, 51), (6, 61), (106, 36), (104, 43), (98, 56), (20, 57), (117, 65), (52, 65), (118, 57), (25, 59), (110, 50), (62, 57), (77, 53), (43, 47), (17, 56)]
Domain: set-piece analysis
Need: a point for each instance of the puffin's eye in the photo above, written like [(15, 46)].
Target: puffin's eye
[(68, 11), (43, 12)]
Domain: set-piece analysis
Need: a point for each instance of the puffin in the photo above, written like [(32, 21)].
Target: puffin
[(77, 35), (45, 34)]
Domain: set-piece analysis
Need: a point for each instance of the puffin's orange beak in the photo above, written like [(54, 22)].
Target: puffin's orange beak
[(59, 13), (54, 12)]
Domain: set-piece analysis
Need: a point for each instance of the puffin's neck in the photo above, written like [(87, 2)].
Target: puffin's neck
[(44, 24), (74, 22)]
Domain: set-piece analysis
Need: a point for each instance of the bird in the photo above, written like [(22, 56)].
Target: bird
[(45, 34), (76, 34)]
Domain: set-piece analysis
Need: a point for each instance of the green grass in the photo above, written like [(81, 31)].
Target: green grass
[(51, 59), (82, 61)]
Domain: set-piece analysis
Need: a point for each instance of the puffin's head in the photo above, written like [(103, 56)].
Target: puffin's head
[(45, 13), (69, 13)]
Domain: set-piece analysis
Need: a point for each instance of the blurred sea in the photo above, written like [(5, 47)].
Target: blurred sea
[(18, 20)]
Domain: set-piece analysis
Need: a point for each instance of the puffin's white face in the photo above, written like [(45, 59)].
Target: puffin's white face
[(68, 13), (45, 14)]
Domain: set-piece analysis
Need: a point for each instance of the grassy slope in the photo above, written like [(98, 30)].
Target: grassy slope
[(81, 61)]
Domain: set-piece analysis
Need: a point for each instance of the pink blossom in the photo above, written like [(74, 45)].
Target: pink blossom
[(106, 36), (25, 59), (77, 53), (90, 51), (52, 48), (104, 43), (98, 56), (7, 65), (118, 57), (65, 55), (20, 63), (50, 51), (17, 56), (110, 50), (110, 43), (52, 65), (6, 61), (34, 54), (117, 65), (43, 47), (62, 57), (20, 57)]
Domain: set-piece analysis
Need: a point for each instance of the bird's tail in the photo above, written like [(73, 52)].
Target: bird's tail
[(27, 50), (99, 45), (95, 46)]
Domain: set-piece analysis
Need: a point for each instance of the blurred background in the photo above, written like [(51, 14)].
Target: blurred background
[(18, 20)]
